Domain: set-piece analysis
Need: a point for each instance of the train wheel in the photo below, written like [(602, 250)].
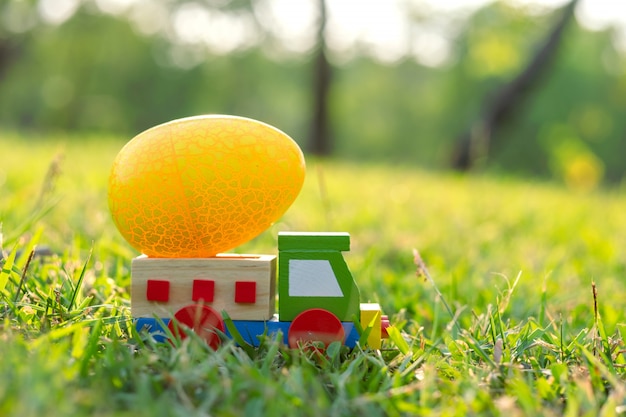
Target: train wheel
[(203, 320), (315, 326)]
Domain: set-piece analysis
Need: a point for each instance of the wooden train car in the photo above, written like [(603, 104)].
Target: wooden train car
[(318, 299)]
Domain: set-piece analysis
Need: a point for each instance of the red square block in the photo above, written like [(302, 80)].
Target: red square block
[(203, 290), (158, 290), (245, 292)]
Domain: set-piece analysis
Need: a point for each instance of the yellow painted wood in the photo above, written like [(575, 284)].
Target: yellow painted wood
[(371, 314)]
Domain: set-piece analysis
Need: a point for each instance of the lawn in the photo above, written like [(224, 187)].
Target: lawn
[(516, 308)]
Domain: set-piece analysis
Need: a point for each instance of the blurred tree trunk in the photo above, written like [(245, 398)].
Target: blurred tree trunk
[(474, 143), (319, 139), (8, 53)]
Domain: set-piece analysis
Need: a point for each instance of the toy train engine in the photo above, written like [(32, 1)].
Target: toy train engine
[(318, 300)]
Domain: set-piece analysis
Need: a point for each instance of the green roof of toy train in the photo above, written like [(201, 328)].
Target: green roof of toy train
[(313, 241)]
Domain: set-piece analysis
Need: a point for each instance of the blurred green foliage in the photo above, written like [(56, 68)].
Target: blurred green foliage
[(97, 71)]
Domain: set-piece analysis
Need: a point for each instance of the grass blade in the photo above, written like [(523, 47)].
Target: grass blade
[(79, 283), (396, 337), (7, 269)]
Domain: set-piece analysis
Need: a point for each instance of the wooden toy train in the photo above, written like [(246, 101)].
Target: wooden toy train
[(184, 192), (318, 299)]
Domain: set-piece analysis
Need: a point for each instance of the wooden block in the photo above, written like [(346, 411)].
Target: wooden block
[(316, 279), (223, 270), (245, 292), (203, 290), (371, 314), (314, 241), (250, 330), (158, 290)]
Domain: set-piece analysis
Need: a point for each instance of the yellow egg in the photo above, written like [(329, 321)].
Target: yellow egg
[(203, 185)]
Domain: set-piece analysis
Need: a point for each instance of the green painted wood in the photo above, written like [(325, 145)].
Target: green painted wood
[(346, 307), (314, 241)]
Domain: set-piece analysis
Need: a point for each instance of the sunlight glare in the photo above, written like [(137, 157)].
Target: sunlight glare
[(378, 26), (114, 7), (600, 14), (220, 32), (190, 22), (56, 12), (431, 49), (149, 17), (293, 23), (229, 32)]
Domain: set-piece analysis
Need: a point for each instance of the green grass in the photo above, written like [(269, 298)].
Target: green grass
[(515, 261)]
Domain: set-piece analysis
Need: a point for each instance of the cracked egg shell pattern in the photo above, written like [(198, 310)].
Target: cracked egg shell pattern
[(199, 186)]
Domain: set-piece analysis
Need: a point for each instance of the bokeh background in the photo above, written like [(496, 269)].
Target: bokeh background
[(519, 88)]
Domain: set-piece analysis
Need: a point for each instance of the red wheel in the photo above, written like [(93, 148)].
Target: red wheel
[(315, 325), (203, 320)]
